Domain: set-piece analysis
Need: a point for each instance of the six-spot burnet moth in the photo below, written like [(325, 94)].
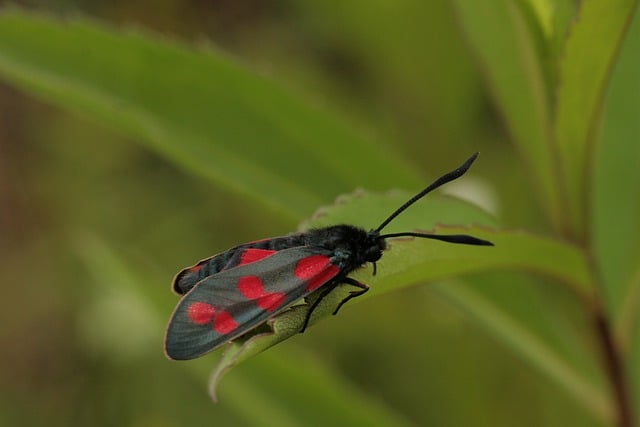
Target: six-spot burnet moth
[(231, 293)]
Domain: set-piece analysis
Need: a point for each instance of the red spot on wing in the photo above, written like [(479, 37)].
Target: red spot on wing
[(195, 268), (251, 287), (323, 277), (223, 323), (316, 270), (310, 266), (252, 255), (271, 301), (201, 313)]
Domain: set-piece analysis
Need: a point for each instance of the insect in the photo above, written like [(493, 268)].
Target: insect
[(233, 292)]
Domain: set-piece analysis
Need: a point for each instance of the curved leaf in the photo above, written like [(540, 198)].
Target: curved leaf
[(585, 68), (434, 260), (615, 203), (499, 34), (197, 108)]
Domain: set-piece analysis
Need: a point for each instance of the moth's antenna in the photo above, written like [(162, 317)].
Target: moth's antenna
[(451, 238), (448, 177)]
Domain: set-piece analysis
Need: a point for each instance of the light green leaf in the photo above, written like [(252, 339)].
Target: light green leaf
[(196, 107), (499, 34), (585, 68), (615, 210), (544, 13), (421, 259)]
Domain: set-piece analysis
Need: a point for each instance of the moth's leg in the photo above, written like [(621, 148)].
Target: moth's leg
[(353, 282), (326, 291)]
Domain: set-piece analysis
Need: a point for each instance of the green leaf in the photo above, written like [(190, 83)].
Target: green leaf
[(502, 39), (410, 260), (585, 67), (197, 108), (615, 202), (544, 15)]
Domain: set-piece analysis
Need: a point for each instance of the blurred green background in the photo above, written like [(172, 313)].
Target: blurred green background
[(139, 137)]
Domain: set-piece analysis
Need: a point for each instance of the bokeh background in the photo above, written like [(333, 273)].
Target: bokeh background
[(93, 226)]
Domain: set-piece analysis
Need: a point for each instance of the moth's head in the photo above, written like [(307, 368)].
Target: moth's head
[(373, 246)]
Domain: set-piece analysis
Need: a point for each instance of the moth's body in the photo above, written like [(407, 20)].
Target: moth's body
[(229, 294), (352, 248)]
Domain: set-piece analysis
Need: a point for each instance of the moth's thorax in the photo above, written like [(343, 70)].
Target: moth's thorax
[(352, 246)]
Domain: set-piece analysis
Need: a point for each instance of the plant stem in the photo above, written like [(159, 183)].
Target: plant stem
[(615, 368)]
